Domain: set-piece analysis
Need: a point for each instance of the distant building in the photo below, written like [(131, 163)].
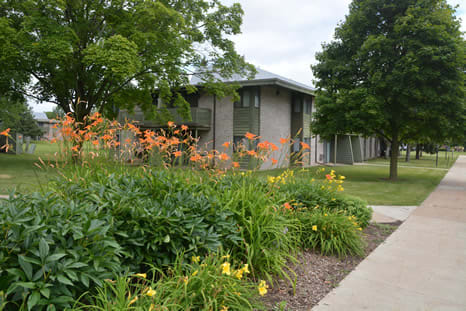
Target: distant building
[(46, 126), (270, 106)]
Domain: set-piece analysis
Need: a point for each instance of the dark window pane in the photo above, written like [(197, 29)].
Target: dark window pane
[(297, 104), (246, 98)]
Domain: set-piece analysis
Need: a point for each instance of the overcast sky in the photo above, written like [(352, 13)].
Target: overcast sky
[(283, 36)]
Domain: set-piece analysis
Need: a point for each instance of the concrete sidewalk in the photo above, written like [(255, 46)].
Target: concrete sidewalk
[(422, 265)]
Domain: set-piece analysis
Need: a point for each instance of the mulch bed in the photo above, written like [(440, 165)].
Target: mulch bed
[(317, 275)]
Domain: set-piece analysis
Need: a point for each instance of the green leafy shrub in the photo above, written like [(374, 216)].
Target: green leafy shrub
[(331, 233), (52, 250), (212, 284), (157, 214), (312, 193)]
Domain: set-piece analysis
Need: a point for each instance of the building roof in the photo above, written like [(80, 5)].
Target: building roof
[(263, 77), (40, 116)]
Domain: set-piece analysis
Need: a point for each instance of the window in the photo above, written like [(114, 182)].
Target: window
[(307, 106), (246, 98), (192, 99), (297, 105), (256, 99), (250, 97)]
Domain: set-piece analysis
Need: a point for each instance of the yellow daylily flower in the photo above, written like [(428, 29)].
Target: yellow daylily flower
[(226, 268), (262, 288), (150, 292)]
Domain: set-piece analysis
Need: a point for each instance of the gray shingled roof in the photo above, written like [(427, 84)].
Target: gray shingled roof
[(263, 77), (40, 116)]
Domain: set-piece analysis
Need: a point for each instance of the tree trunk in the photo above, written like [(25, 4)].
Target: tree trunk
[(418, 151), (394, 157), (408, 152)]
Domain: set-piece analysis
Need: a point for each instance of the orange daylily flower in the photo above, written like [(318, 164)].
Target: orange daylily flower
[(226, 144), (177, 154), (184, 127), (5, 132), (305, 146), (283, 140), (263, 145), (195, 158), (250, 136), (95, 142), (75, 148), (235, 164), (287, 206), (274, 161), (171, 124), (224, 157), (329, 177), (252, 152)]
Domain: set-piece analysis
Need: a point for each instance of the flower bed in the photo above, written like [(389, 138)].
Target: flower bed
[(103, 225)]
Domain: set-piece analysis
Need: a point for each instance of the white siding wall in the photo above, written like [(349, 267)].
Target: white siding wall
[(275, 120), (206, 137)]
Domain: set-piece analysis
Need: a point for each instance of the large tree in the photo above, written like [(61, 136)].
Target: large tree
[(395, 69), (101, 55), (16, 115)]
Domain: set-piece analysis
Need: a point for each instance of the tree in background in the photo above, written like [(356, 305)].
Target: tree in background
[(103, 55), (56, 113), (16, 115), (395, 69)]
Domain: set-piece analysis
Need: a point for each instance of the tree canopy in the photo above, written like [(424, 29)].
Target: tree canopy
[(16, 115), (395, 69), (103, 55)]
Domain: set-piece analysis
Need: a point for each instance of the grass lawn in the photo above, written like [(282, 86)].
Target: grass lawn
[(370, 183), (19, 170), (427, 160)]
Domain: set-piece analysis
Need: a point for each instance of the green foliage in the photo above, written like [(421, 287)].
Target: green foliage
[(16, 115), (114, 54), (316, 195), (53, 249), (155, 215), (197, 286), (268, 244), (56, 113), (396, 69), (331, 233)]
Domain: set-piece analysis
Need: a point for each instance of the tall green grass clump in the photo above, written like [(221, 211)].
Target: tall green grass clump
[(331, 233), (266, 230), (211, 283)]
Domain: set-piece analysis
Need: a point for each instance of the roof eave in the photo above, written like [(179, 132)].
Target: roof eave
[(277, 82)]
